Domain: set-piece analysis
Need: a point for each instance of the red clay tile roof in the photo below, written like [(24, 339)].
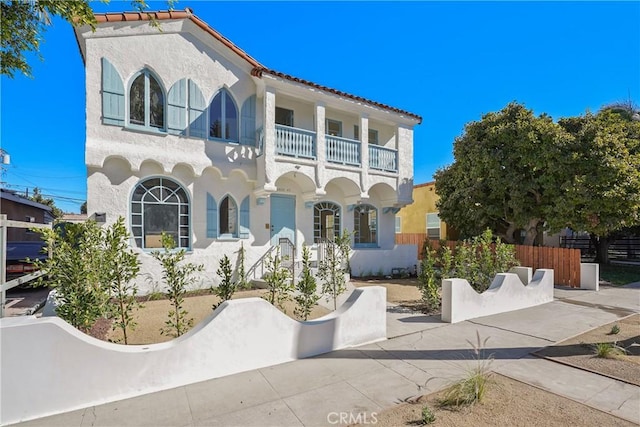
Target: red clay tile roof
[(258, 69)]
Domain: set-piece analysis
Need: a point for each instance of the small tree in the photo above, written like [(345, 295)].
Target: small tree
[(306, 287), (429, 283), (277, 278), (227, 286), (122, 267), (334, 267), (178, 276), (75, 268), (241, 272)]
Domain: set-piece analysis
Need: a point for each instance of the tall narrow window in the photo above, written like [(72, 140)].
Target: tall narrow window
[(433, 226), (228, 217), (159, 205), (326, 221), (223, 117), (398, 224), (146, 101), (365, 222)]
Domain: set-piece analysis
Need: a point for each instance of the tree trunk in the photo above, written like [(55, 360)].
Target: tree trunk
[(508, 235), (532, 232), (602, 249)]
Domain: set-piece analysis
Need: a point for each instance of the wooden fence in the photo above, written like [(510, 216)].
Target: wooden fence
[(564, 262)]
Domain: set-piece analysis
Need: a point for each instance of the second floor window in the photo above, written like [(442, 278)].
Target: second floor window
[(433, 226), (223, 117), (146, 101), (334, 127), (373, 135), (284, 117)]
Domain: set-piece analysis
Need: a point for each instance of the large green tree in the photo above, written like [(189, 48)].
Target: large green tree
[(601, 190), (504, 174), (23, 23)]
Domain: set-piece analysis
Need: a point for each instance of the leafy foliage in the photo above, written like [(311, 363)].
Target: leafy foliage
[(122, 267), (92, 269), (335, 265), (278, 284), (306, 287), (24, 22), (427, 416), (503, 176), (607, 350), (76, 270), (39, 198), (227, 286), (477, 260), (178, 276), (601, 189)]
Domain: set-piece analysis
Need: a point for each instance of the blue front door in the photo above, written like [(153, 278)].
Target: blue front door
[(283, 218)]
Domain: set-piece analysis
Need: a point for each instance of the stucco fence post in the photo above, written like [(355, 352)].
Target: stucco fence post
[(507, 292)]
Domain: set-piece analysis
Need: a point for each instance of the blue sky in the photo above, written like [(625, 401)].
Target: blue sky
[(449, 62)]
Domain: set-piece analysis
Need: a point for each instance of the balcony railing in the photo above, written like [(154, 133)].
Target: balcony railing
[(295, 142), (342, 150), (382, 158)]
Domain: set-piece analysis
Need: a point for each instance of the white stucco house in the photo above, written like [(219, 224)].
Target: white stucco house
[(188, 134)]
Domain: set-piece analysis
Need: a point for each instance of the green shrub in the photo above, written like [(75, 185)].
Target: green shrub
[(227, 286), (615, 330), (306, 287), (607, 350), (177, 276), (428, 416), (278, 284), (335, 265)]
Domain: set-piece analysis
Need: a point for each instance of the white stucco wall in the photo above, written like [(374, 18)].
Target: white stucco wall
[(80, 371), (506, 293)]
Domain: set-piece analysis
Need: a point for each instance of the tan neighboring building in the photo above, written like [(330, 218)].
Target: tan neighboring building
[(422, 215)]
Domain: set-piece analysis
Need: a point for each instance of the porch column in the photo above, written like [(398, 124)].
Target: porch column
[(269, 142), (404, 145), (321, 144), (364, 153)]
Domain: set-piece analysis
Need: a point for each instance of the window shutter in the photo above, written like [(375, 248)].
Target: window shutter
[(244, 218), (212, 217), (248, 122), (112, 95), (197, 116), (177, 103)]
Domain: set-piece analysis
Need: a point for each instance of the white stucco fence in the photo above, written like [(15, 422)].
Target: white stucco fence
[(506, 293), (49, 367)]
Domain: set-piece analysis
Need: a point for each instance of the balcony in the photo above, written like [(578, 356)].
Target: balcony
[(301, 143), (342, 150), (294, 142), (382, 158)]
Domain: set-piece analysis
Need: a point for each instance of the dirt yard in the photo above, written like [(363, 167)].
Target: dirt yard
[(580, 351), (507, 403)]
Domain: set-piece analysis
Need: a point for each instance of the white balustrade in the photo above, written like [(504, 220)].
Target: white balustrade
[(295, 142), (342, 150), (383, 158)]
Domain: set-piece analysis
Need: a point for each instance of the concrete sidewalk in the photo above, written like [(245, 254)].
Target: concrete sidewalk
[(422, 356)]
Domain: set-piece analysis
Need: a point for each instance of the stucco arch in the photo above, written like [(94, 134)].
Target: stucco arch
[(117, 169), (384, 193), (305, 183), (346, 186), (184, 172), (151, 167), (241, 173)]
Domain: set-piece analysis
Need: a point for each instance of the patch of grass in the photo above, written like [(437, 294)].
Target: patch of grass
[(615, 330), (607, 350), (472, 387), (619, 274), (427, 416)]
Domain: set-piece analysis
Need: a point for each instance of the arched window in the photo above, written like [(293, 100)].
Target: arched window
[(159, 205), (146, 101), (365, 223), (228, 217), (326, 221), (223, 117)]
